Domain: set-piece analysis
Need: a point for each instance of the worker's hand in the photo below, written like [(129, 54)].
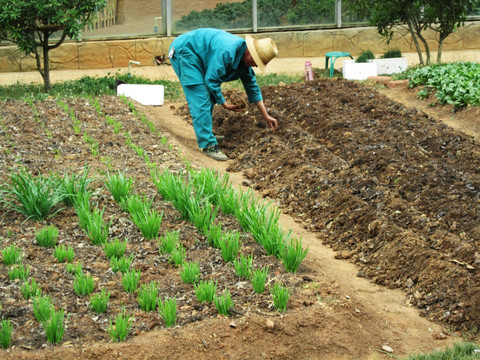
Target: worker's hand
[(272, 122), (237, 108)]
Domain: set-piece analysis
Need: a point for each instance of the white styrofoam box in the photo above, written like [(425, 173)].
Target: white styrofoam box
[(390, 66), (144, 94), (358, 71)]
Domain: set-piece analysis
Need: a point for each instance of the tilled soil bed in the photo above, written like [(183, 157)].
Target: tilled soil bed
[(40, 137), (388, 187)]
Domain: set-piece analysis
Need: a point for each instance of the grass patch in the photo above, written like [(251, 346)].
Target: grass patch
[(461, 350)]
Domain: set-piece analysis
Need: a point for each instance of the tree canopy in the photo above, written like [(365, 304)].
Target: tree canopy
[(441, 16), (30, 25)]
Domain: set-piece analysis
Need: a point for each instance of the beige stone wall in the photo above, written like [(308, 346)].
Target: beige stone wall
[(315, 43)]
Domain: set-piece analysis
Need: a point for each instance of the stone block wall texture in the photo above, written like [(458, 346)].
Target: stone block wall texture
[(105, 54)]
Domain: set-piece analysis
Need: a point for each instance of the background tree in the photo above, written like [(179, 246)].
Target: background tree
[(30, 24), (442, 16)]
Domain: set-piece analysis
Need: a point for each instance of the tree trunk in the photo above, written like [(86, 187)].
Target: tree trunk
[(415, 41), (46, 68), (427, 48), (440, 47)]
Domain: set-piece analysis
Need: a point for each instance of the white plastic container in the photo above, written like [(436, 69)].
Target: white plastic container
[(390, 65), (358, 71), (144, 94)]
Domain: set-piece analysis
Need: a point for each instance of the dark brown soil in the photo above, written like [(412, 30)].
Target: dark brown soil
[(386, 186)]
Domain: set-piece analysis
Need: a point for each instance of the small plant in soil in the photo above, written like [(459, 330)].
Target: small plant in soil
[(42, 308), (168, 184), (168, 310), (147, 296), (34, 197), (223, 303), (123, 323), (74, 269), (120, 186), (205, 290), (168, 242), (213, 235), (71, 186), (130, 280), (190, 273), (63, 253), (6, 331), (47, 236), (96, 229), (30, 289), (19, 272), (243, 266), (83, 284), (115, 248), (11, 255), (136, 203), (209, 184), (149, 222), (259, 277), (54, 327), (230, 245), (263, 224), (201, 213), (82, 208), (178, 255), (121, 264), (99, 301), (292, 255), (280, 296), (184, 200), (229, 201), (147, 219)]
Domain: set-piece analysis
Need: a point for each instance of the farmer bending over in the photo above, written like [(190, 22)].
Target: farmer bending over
[(205, 58)]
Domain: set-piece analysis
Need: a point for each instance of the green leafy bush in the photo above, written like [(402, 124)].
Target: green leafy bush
[(392, 53), (364, 56), (455, 84)]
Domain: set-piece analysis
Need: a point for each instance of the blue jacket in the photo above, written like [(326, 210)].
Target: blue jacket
[(211, 57)]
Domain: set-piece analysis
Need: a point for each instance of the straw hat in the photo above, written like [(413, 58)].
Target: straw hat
[(262, 50)]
